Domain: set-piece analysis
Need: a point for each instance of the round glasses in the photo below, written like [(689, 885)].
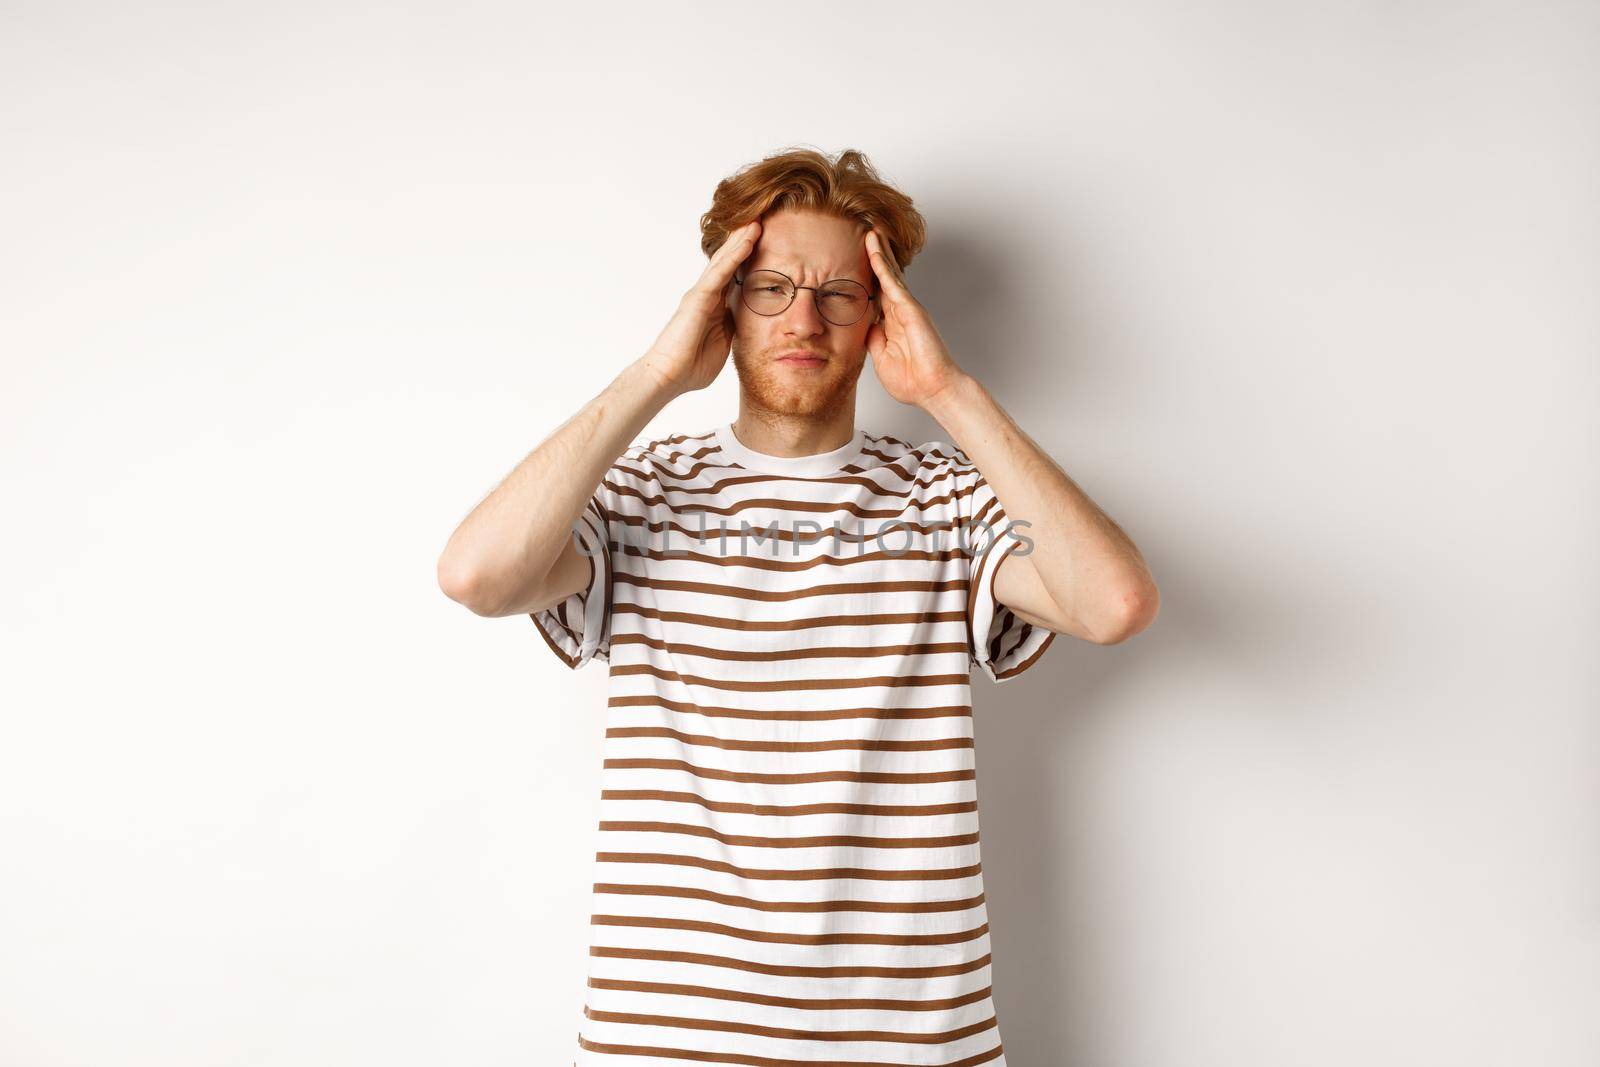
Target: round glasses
[(769, 292)]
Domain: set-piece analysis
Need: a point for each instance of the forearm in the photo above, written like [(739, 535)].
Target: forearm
[(504, 549), (1087, 564)]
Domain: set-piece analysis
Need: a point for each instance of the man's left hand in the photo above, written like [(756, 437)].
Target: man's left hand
[(908, 355)]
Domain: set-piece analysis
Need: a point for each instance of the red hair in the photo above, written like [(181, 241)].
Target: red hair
[(845, 186)]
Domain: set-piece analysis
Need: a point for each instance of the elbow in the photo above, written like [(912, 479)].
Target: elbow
[(1130, 612), (464, 583)]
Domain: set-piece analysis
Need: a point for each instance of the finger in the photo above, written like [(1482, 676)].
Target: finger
[(734, 251), (884, 266), (740, 240)]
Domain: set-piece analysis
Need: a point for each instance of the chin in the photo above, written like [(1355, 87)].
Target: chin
[(769, 388), (790, 402)]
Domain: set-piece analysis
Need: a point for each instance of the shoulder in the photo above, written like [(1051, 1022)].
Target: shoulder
[(671, 457), (934, 460)]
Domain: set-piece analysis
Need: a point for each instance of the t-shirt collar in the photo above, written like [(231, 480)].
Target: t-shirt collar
[(813, 466)]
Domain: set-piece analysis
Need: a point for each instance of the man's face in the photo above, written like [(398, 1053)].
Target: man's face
[(811, 249)]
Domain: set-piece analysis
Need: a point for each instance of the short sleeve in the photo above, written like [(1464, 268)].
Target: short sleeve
[(579, 628), (998, 640)]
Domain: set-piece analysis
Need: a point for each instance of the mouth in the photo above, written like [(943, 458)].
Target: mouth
[(801, 359)]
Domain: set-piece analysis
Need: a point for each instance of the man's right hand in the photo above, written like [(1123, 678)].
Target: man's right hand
[(516, 553), (693, 348)]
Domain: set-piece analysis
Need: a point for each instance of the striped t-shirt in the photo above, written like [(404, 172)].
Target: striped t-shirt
[(789, 867)]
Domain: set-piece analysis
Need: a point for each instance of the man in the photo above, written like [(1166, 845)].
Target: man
[(791, 608)]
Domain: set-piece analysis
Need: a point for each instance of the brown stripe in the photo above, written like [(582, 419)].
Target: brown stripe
[(850, 474), (1050, 635), (777, 654), (754, 967), (906, 461), (887, 444), (890, 907), (741, 1059), (843, 744), (775, 595), (901, 499), (725, 1027), (801, 778), (980, 583), (772, 563), (996, 656), (789, 685), (772, 937), (723, 621), (755, 841), (558, 614), (773, 529), (789, 809), (800, 1003), (1006, 618), (702, 446), (712, 711), (561, 654), (874, 874)]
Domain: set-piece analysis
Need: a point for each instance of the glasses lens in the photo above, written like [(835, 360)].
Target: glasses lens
[(766, 292), (842, 301)]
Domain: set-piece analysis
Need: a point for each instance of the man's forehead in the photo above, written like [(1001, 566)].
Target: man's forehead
[(781, 254)]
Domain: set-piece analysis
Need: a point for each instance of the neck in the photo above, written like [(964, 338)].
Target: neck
[(777, 434)]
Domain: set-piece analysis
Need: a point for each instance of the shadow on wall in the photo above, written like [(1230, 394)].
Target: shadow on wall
[(1037, 757), (1222, 618), (999, 317)]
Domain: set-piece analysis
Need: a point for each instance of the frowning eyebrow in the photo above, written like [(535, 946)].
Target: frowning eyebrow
[(784, 265)]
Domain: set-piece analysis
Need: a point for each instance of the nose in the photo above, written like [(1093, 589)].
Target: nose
[(802, 318)]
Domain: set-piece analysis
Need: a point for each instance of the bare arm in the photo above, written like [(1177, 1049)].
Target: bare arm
[(515, 552), (1084, 575)]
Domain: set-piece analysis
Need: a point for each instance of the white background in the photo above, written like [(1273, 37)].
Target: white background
[(1304, 295)]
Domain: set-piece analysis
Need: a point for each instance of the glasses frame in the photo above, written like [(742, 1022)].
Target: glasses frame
[(871, 295)]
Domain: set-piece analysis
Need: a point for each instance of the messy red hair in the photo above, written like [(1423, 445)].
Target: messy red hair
[(845, 186)]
